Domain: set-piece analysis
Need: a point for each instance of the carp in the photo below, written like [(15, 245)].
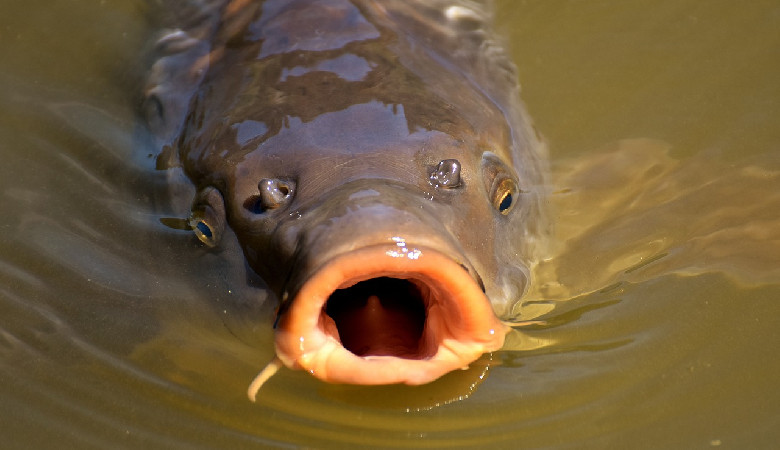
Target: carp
[(376, 165)]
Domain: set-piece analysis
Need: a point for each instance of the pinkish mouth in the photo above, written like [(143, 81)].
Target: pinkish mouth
[(379, 316)]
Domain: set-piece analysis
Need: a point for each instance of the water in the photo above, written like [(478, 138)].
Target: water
[(658, 309)]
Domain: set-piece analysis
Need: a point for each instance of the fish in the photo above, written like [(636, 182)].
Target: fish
[(376, 164)]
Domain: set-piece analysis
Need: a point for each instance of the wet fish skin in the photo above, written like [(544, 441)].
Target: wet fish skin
[(386, 129)]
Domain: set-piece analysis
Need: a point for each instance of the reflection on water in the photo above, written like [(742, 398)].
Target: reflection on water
[(657, 316), (646, 214)]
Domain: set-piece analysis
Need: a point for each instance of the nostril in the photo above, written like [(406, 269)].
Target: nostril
[(446, 174), (273, 193)]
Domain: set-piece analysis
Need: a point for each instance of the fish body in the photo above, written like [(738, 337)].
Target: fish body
[(376, 165)]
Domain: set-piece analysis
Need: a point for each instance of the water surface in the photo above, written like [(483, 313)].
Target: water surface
[(658, 308)]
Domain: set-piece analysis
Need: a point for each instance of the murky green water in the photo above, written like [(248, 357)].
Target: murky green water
[(659, 307)]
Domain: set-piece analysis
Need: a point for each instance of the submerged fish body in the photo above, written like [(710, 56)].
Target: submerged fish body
[(376, 166)]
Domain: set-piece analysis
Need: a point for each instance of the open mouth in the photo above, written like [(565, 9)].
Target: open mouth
[(377, 316), (381, 317)]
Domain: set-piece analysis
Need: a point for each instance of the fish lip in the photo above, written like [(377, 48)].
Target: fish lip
[(460, 324)]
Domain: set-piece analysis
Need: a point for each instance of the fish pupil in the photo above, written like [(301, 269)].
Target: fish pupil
[(204, 229), (506, 202)]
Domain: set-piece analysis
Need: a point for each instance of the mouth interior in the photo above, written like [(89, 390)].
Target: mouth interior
[(381, 317)]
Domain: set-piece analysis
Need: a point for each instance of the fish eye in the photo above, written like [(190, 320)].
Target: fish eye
[(208, 216), (204, 232), (501, 186), (203, 229), (504, 194)]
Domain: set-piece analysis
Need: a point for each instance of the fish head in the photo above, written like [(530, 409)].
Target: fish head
[(392, 249)]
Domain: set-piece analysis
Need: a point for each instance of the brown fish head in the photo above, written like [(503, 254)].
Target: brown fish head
[(383, 195), (383, 244)]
